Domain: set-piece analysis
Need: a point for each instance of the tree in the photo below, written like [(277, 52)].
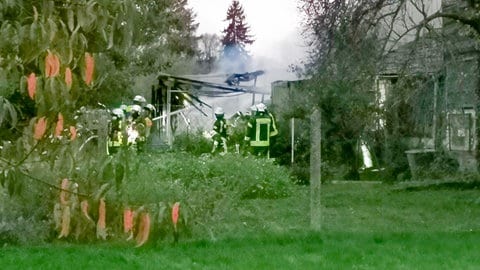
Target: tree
[(209, 50), (414, 41), (164, 35), (58, 60), (236, 37)]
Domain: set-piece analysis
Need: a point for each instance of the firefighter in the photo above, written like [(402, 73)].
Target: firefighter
[(138, 100), (135, 127), (149, 113), (219, 131), (258, 132), (273, 127), (116, 130)]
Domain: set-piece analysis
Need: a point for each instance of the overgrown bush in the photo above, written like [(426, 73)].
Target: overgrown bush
[(193, 143), (21, 222), (208, 187), (443, 165), (395, 161)]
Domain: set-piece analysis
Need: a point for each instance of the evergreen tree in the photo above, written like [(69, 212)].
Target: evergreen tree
[(236, 37)]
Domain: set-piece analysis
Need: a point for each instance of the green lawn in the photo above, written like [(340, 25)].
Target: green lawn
[(365, 226)]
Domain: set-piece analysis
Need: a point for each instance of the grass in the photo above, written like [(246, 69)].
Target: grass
[(365, 226)]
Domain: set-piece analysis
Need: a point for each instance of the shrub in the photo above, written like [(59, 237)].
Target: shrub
[(194, 143), (20, 223), (207, 187)]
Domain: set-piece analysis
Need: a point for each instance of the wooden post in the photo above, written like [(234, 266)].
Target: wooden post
[(434, 120), (168, 116), (315, 170), (292, 122)]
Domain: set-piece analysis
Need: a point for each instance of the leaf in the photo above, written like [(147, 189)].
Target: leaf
[(127, 220), (81, 20), (89, 68), (71, 20), (12, 179), (7, 110), (33, 31), (175, 214), (59, 126), (52, 65), (107, 172), (53, 29), (104, 35), (110, 36), (101, 191), (143, 229), (64, 192), (40, 128), (32, 85), (3, 178), (18, 187), (66, 217), (119, 174), (2, 110), (73, 133), (101, 223), (68, 77), (84, 209)]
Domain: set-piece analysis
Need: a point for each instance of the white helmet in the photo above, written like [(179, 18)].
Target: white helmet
[(261, 107), (118, 112), (139, 99), (136, 108), (150, 107), (219, 111)]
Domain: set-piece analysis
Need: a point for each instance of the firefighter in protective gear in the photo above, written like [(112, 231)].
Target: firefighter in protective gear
[(137, 101), (219, 131), (258, 132), (149, 113), (116, 130), (273, 128), (135, 127)]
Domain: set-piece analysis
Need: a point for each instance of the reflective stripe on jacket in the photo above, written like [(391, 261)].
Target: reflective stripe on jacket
[(259, 130)]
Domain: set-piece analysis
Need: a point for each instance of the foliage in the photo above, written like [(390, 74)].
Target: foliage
[(163, 32), (236, 37), (341, 87), (120, 35), (192, 143), (207, 187), (209, 52), (19, 223), (360, 39), (57, 60)]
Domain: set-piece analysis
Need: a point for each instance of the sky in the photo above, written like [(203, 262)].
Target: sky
[(274, 24)]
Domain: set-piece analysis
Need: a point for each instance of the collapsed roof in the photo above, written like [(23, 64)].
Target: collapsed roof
[(189, 88)]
